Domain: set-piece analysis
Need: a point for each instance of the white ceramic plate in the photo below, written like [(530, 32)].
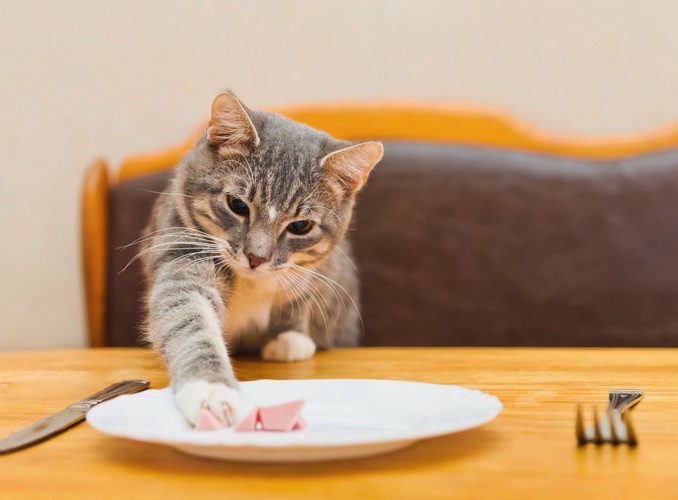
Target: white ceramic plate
[(348, 418)]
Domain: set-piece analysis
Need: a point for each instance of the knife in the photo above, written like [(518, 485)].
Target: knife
[(69, 416)]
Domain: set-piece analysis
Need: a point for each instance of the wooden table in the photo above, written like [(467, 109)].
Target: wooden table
[(528, 452)]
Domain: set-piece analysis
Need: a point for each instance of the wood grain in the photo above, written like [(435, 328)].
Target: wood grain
[(528, 452)]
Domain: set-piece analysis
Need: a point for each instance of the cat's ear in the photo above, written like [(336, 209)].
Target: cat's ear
[(352, 165), (230, 128)]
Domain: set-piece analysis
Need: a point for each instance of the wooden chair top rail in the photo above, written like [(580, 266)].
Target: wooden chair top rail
[(388, 120), (433, 122)]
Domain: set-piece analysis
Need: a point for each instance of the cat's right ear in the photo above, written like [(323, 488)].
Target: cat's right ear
[(230, 129), (352, 165)]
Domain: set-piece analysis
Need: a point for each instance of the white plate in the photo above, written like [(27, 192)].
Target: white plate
[(347, 418)]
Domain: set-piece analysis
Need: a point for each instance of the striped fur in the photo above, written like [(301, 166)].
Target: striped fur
[(204, 301)]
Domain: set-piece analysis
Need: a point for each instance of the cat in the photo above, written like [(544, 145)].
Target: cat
[(247, 252)]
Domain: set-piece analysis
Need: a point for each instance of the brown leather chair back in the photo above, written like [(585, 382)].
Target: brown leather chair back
[(470, 246)]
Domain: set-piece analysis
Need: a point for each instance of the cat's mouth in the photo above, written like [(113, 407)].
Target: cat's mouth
[(260, 272), (242, 267), (247, 272)]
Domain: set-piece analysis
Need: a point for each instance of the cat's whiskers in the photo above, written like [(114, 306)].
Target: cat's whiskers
[(291, 296), (313, 296), (231, 257), (298, 292), (347, 257), (192, 260), (326, 332), (313, 278), (281, 303), (180, 258), (170, 245), (168, 193), (320, 299), (307, 299), (213, 238), (182, 239), (154, 234), (176, 231), (330, 310), (334, 285)]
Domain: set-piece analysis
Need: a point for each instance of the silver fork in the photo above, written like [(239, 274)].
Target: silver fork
[(615, 426)]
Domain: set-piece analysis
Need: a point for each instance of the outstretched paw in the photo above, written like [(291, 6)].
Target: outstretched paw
[(289, 346), (223, 401)]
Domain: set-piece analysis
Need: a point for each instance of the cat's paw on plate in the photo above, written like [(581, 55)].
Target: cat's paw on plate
[(289, 346), (223, 401)]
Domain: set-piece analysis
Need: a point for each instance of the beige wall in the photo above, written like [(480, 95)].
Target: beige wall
[(82, 78)]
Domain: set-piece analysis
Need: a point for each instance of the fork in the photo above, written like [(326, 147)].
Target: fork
[(615, 426)]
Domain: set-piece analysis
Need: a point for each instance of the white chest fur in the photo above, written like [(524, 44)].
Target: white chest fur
[(249, 306)]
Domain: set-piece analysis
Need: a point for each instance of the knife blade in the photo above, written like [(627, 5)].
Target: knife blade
[(68, 417)]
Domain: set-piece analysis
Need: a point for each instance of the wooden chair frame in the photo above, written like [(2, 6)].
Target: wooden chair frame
[(410, 121)]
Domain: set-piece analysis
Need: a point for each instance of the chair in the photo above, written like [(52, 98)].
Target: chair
[(475, 230)]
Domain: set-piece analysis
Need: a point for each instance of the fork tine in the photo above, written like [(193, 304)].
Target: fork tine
[(611, 426), (579, 427), (631, 438), (597, 429), (614, 430)]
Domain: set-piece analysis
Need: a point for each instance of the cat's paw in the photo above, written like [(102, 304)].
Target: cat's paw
[(225, 402), (289, 346)]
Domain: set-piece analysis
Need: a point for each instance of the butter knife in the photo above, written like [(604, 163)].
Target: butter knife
[(69, 416)]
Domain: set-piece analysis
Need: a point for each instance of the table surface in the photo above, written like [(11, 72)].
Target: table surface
[(529, 451)]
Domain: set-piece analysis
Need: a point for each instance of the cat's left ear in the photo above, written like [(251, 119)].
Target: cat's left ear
[(230, 128), (352, 165)]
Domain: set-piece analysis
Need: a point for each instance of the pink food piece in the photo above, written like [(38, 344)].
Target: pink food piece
[(300, 424), (282, 417), (208, 421), (249, 423)]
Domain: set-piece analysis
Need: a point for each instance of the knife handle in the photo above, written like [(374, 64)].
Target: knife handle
[(112, 391)]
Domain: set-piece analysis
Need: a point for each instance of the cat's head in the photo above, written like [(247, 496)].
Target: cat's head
[(277, 192)]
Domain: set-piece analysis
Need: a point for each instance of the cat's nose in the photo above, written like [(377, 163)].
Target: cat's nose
[(255, 260)]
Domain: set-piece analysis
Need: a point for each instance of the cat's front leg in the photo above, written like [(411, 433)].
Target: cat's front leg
[(292, 341), (186, 313), (289, 346)]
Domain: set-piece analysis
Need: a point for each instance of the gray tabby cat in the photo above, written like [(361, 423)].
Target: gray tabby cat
[(247, 252)]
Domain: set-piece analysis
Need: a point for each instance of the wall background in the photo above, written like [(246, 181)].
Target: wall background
[(79, 79)]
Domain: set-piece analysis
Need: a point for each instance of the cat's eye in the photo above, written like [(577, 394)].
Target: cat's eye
[(300, 226), (237, 205)]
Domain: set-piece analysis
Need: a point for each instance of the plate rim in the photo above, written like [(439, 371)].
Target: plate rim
[(495, 407)]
